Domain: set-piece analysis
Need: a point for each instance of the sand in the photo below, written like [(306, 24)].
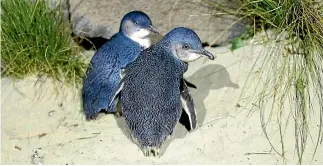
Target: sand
[(40, 127)]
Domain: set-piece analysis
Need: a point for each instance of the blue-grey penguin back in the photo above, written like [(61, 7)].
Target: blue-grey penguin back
[(150, 95), (103, 74)]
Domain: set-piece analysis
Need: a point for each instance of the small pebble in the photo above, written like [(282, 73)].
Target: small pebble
[(17, 147), (51, 113), (36, 159), (42, 135)]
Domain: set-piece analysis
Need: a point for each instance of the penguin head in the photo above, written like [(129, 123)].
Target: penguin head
[(137, 26), (185, 44)]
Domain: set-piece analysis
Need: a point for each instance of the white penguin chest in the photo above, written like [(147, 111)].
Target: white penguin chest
[(146, 42), (142, 37)]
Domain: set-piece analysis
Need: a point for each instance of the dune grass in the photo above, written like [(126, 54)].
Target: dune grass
[(293, 68), (36, 39)]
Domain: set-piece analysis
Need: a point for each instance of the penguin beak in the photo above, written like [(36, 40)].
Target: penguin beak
[(153, 29), (205, 53)]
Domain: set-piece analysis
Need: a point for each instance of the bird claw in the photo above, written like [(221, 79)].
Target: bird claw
[(151, 152), (118, 114), (92, 116)]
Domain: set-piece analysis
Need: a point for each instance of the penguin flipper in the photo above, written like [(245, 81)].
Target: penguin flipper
[(188, 117), (191, 85), (116, 96)]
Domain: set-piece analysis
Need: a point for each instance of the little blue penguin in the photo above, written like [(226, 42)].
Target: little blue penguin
[(103, 75), (153, 91)]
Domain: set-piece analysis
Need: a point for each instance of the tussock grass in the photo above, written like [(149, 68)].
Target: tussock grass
[(36, 39), (293, 68)]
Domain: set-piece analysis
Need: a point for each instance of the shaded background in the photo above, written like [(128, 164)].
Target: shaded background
[(101, 18)]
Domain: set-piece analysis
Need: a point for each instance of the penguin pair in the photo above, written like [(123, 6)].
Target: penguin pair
[(147, 79)]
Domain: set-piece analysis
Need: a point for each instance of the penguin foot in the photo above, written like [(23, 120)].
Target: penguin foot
[(151, 152), (118, 114), (92, 116)]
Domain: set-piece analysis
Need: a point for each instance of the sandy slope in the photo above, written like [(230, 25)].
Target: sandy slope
[(37, 120)]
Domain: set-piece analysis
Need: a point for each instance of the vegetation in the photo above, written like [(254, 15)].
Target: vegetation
[(293, 65), (36, 39)]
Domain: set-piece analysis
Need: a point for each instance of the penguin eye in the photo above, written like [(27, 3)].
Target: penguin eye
[(136, 23), (185, 47)]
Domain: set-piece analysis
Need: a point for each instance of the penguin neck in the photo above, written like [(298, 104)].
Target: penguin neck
[(167, 46), (143, 42), (167, 50)]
